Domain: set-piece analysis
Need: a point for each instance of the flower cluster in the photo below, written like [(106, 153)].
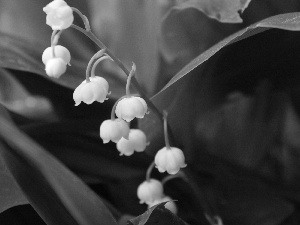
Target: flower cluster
[(96, 89), (126, 108)]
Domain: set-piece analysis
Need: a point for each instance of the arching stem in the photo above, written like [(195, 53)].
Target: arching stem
[(52, 42), (180, 174), (97, 62), (84, 19), (88, 68), (165, 115), (131, 74), (149, 170)]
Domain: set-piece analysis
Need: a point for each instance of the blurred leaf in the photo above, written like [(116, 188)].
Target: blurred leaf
[(188, 32), (57, 194), (249, 202), (10, 193), (231, 110), (289, 21), (84, 151), (226, 11), (131, 29), (18, 100), (157, 214)]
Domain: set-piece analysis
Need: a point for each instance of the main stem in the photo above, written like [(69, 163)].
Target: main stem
[(166, 129)]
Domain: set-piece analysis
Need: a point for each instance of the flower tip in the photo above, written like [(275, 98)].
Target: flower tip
[(133, 68), (105, 141)]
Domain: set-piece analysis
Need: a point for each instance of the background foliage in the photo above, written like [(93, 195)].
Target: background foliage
[(234, 110)]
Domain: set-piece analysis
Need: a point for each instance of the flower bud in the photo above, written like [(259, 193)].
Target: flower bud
[(170, 160), (149, 191), (131, 107), (55, 67), (88, 92), (137, 141), (59, 15), (113, 130), (60, 52), (170, 205)]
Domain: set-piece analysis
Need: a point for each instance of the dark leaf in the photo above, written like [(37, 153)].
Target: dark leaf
[(231, 109), (10, 193), (182, 39), (289, 21), (18, 100), (57, 195), (157, 214)]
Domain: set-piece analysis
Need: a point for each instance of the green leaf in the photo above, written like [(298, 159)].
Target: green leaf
[(226, 11), (228, 106), (289, 21), (157, 214), (131, 30), (10, 193), (18, 100), (55, 192)]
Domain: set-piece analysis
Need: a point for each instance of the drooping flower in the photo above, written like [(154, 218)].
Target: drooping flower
[(169, 159), (60, 52), (88, 92), (137, 141), (114, 130), (130, 107), (149, 191), (170, 205), (59, 15), (55, 67)]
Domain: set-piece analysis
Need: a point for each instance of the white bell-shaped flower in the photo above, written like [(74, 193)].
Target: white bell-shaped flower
[(55, 67), (88, 92), (59, 15), (130, 107), (114, 130), (60, 52), (170, 160), (149, 191), (170, 205), (137, 141)]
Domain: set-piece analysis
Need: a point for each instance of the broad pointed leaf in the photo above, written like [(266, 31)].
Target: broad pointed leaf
[(57, 195), (157, 214)]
